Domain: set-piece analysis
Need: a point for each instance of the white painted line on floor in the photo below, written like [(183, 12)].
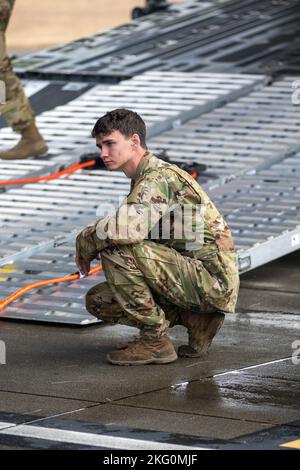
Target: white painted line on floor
[(95, 440), (4, 425), (236, 371), (253, 367), (56, 416)]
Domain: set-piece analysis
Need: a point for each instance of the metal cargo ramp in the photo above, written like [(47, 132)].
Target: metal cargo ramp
[(43, 215), (61, 303), (164, 100), (263, 212), (38, 225), (65, 61), (249, 133), (48, 204), (223, 36)]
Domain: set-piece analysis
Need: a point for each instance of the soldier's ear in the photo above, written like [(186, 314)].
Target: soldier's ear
[(135, 140)]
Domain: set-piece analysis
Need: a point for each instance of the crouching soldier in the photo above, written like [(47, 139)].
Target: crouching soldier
[(167, 253)]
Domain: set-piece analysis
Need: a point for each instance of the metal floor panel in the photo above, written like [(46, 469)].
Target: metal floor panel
[(62, 303), (249, 133), (82, 57), (263, 212), (42, 215), (165, 100), (252, 35)]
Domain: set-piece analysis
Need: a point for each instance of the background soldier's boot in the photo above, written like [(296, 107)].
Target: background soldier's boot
[(202, 327), (144, 351), (31, 144)]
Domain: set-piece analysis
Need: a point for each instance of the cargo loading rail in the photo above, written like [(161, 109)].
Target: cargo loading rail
[(253, 36)]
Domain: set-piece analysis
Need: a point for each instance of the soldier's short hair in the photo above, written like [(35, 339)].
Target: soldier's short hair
[(123, 120)]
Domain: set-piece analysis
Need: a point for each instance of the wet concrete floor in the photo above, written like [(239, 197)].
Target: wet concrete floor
[(244, 394)]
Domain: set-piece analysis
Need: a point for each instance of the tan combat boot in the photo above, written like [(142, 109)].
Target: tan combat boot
[(31, 144), (144, 351), (202, 327)]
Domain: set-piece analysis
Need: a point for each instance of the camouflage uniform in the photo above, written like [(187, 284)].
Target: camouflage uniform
[(17, 110), (149, 281)]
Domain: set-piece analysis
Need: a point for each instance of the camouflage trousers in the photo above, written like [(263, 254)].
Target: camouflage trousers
[(17, 110), (148, 285)]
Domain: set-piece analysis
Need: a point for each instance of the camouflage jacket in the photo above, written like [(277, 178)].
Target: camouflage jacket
[(157, 190), (160, 188), (6, 7)]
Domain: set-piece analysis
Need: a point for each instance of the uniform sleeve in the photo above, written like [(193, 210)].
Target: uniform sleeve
[(147, 203)]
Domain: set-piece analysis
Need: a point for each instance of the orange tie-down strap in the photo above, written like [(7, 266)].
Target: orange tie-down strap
[(67, 171), (92, 162), (20, 292)]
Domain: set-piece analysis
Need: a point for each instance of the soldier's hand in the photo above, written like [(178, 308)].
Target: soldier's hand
[(83, 265), (85, 248)]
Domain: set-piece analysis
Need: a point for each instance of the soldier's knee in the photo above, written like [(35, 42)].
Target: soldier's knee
[(90, 303), (93, 302), (96, 306)]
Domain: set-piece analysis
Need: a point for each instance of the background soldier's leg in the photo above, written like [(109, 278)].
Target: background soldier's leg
[(17, 110)]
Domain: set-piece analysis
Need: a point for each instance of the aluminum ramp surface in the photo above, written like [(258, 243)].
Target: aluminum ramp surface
[(263, 212), (164, 101), (61, 303), (249, 133), (42, 215)]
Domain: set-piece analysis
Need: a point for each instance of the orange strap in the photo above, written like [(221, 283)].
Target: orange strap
[(70, 169), (27, 288)]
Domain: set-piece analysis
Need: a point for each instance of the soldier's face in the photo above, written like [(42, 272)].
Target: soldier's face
[(115, 149)]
